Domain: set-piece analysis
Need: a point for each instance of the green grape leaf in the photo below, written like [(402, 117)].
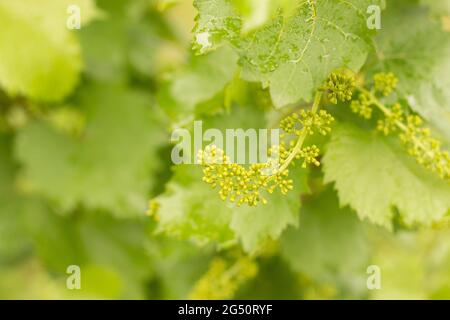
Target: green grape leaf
[(354, 157), (190, 209), (303, 48), (220, 21), (331, 243), (216, 21), (255, 13), (201, 81), (254, 225), (424, 74), (39, 56), (106, 168), (204, 77)]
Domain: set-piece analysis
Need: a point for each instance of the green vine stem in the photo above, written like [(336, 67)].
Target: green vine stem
[(301, 140)]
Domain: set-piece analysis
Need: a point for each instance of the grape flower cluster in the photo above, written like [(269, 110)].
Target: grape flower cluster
[(385, 83), (250, 184), (240, 184), (396, 119), (307, 121), (361, 106), (340, 87)]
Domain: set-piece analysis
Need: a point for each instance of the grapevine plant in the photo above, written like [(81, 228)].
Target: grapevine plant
[(352, 201), (244, 186), (318, 61)]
